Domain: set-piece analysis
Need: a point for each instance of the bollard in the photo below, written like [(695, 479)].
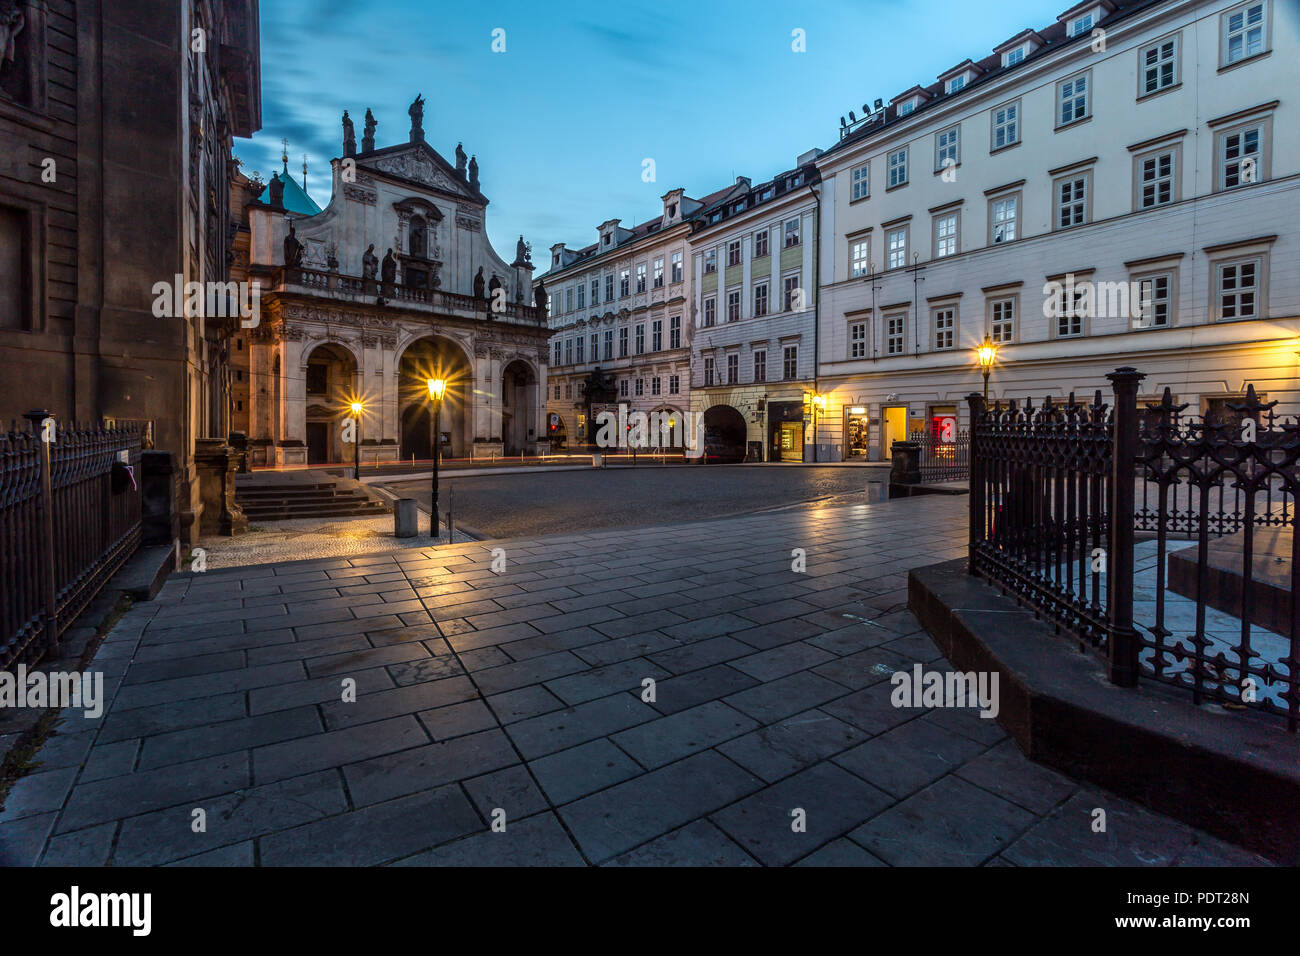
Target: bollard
[(404, 518), (597, 460)]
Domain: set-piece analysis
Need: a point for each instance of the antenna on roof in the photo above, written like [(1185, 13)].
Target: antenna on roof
[(880, 105)]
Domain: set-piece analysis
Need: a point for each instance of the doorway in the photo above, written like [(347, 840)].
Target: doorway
[(318, 442), (893, 427)]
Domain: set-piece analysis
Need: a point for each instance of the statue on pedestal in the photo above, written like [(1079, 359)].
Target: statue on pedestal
[(368, 136), (523, 253), (493, 285), (460, 160), (539, 296), (389, 268), (369, 263), (349, 136), (277, 191), (473, 171), (478, 283), (416, 109), (292, 249)]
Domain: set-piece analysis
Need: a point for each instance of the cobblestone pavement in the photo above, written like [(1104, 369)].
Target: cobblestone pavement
[(297, 539), (483, 696), (555, 502)]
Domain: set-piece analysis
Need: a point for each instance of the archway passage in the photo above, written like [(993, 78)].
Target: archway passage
[(331, 384), (724, 435), (518, 407), (434, 357)]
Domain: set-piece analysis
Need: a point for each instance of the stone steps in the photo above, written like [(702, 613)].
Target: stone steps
[(273, 497)]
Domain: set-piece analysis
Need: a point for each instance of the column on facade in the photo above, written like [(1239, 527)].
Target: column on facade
[(293, 390)]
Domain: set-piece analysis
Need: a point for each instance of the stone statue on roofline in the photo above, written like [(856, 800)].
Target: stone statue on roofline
[(416, 109), (460, 160), (369, 263), (368, 135), (292, 249), (349, 136)]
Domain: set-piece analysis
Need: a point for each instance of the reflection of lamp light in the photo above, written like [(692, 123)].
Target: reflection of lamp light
[(986, 353)]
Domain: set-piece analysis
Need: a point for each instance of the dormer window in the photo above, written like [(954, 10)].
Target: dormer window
[(905, 108), (672, 210), (1081, 24), (956, 83), (607, 239), (1013, 56)]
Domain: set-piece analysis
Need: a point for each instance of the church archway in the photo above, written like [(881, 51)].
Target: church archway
[(518, 407), (435, 357)]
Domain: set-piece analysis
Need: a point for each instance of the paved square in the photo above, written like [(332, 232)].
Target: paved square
[(658, 696)]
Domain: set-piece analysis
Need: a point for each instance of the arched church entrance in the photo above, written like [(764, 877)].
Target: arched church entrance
[(434, 357), (331, 382), (518, 407)]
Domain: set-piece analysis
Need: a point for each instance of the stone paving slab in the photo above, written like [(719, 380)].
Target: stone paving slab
[(644, 697)]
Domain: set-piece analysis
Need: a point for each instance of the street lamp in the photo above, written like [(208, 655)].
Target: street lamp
[(985, 353), (356, 440), (437, 389), (817, 401)]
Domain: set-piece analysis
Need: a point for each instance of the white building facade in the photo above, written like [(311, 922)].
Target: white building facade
[(753, 267), (1120, 188)]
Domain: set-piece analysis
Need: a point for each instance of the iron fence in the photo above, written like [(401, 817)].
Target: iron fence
[(942, 460), (69, 517), (1086, 511)]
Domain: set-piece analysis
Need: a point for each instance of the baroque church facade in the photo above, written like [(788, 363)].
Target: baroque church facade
[(393, 283)]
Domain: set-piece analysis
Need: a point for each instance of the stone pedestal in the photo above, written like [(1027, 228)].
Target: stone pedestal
[(239, 443), (159, 521), (489, 449), (905, 472), (217, 464)]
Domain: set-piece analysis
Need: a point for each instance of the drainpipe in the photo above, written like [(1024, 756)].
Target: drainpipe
[(817, 307)]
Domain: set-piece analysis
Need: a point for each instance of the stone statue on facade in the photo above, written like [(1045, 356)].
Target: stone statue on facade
[(416, 109), (389, 268), (369, 263), (523, 253), (539, 296), (478, 283), (368, 136), (473, 171), (349, 136), (277, 191), (493, 285), (292, 249), (12, 21), (460, 160)]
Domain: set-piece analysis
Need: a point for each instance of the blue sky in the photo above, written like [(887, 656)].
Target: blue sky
[(585, 91)]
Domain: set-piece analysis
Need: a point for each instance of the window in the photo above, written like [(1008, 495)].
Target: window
[(896, 244), (733, 369), (1002, 218), (609, 287), (657, 335), (945, 328), (1002, 320), (582, 295), (581, 359), (1072, 99), (760, 365), (552, 307), (659, 273), (711, 261), (622, 342), (897, 163), (1072, 201), (654, 385), (1156, 179), (1006, 125), (733, 252), (640, 277), (1158, 66), (595, 292), (1241, 155), (895, 326), (1244, 33), (760, 244), (945, 234), (861, 181), (640, 339), (859, 257), (639, 390), (946, 148), (1081, 24), (1238, 288), (708, 370), (792, 294), (1012, 57), (556, 360), (1071, 307), (858, 340), (674, 384), (622, 388), (790, 363), (905, 108), (568, 351), (676, 267), (710, 311), (568, 390), (760, 299), (957, 83), (623, 278), (568, 299), (609, 344), (675, 332), (595, 347), (1155, 301), (792, 233)]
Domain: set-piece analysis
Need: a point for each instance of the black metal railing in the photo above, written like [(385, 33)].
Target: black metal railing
[(69, 517), (942, 460), (1078, 509)]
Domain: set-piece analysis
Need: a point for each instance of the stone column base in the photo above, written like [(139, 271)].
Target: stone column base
[(217, 465)]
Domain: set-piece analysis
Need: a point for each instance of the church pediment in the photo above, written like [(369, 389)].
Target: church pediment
[(419, 163)]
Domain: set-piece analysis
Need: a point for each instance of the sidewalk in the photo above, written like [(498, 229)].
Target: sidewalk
[(517, 696)]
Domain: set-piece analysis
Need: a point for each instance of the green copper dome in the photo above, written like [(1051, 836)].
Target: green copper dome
[(295, 199)]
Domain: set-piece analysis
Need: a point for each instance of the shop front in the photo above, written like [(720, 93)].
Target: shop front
[(785, 431)]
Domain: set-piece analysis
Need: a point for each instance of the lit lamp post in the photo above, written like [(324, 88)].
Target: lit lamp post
[(437, 388), (985, 353), (818, 402), (356, 440)]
